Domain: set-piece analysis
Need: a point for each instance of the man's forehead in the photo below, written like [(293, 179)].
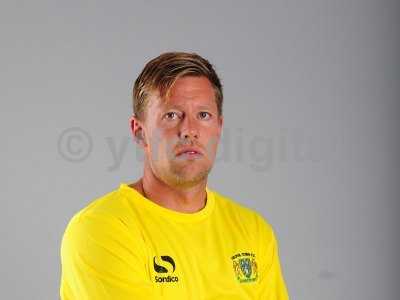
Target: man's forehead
[(175, 102), (182, 93)]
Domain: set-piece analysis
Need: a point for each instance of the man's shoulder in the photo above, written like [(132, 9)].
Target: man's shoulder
[(100, 211), (104, 224), (238, 209), (235, 204), (104, 204)]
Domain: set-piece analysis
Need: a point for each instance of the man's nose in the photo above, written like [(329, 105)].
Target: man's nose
[(188, 129)]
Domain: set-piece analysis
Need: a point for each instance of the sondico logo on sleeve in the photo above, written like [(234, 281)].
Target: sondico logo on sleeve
[(164, 264)]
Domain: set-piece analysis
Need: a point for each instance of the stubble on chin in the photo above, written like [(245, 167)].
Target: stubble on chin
[(181, 174)]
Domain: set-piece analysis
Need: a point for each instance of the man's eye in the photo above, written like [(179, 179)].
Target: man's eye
[(204, 115), (170, 115)]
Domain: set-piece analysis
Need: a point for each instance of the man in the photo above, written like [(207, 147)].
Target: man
[(168, 235)]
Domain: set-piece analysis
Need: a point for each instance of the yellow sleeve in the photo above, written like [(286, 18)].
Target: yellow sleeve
[(272, 283), (101, 259)]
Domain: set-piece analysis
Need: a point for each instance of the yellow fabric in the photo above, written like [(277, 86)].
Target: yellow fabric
[(124, 246)]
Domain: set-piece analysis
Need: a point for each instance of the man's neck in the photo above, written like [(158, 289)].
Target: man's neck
[(188, 200)]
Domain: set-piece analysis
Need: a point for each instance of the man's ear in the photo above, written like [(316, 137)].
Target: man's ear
[(220, 123), (137, 130)]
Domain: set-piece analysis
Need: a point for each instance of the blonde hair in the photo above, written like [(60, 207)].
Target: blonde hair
[(160, 73)]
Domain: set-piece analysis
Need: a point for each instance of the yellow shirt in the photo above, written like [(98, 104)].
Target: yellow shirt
[(124, 246)]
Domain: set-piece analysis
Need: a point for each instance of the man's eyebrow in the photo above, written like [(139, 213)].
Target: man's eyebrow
[(204, 107), (181, 107), (169, 106)]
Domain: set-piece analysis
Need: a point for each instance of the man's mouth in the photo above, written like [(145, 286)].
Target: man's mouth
[(189, 152)]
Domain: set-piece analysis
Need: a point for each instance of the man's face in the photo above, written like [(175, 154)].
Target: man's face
[(189, 119)]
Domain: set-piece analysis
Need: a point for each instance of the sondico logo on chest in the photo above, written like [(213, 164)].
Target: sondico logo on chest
[(245, 267), (164, 264)]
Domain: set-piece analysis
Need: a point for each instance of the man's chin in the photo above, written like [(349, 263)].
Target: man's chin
[(189, 177)]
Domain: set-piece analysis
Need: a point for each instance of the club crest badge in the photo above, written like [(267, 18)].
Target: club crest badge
[(245, 267)]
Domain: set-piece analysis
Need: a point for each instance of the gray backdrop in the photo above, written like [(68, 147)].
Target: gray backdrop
[(310, 138)]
